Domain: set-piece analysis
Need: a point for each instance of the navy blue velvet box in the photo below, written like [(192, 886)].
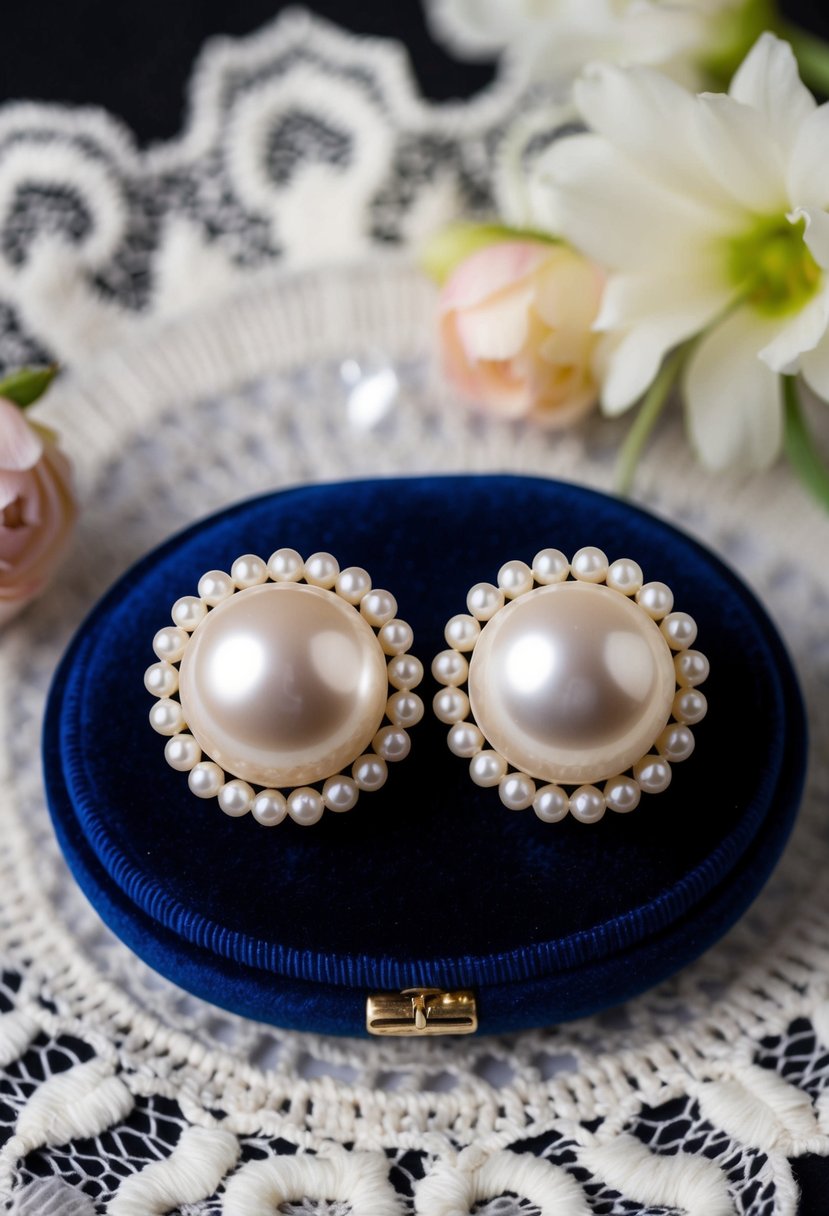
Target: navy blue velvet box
[(544, 922)]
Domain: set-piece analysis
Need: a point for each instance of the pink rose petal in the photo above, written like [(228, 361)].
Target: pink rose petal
[(517, 331), (20, 445), (490, 271), (496, 329)]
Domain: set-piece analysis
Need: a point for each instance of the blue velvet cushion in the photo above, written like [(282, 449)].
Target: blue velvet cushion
[(545, 921)]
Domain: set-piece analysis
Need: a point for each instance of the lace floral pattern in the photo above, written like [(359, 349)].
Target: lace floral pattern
[(305, 146), (119, 1093)]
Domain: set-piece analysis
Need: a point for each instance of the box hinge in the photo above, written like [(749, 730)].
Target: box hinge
[(416, 1011)]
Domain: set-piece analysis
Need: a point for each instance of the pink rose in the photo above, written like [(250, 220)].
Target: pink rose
[(516, 332), (37, 508)]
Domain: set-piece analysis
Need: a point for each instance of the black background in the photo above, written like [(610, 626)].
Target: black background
[(134, 59)]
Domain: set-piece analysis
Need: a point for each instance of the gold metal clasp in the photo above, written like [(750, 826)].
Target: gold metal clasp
[(417, 1011)]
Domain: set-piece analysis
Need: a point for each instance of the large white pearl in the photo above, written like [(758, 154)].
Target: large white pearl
[(572, 682), (283, 684)]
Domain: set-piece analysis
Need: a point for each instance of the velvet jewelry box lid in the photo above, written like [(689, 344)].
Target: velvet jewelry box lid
[(431, 881)]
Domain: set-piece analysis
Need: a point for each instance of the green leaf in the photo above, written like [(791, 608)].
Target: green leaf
[(800, 447), (27, 384), (452, 245)]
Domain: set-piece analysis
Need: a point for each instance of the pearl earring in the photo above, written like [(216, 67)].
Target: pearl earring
[(571, 682), (282, 674)]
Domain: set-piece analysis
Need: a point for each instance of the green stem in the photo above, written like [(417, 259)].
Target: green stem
[(652, 405), (800, 447), (812, 55)]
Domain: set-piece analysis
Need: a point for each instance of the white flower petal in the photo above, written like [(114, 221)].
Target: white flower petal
[(476, 29), (653, 121), (636, 358), (658, 309), (808, 173), (814, 367), (611, 210), (735, 145), (733, 400), (816, 235), (768, 80), (799, 334), (693, 288), (657, 33)]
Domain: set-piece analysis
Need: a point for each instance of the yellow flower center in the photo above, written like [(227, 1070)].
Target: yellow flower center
[(773, 267)]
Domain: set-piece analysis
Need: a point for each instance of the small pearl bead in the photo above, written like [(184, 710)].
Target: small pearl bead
[(321, 570), (205, 779), (169, 643), (622, 794), (550, 566), (465, 739), (235, 798), (248, 571), (215, 586), (450, 667), (514, 579), (305, 806), (656, 599), (676, 742), (188, 612), (161, 679), (395, 637), (691, 668), (370, 772), (487, 768), (353, 583), (405, 671), (286, 566), (625, 575), (484, 600), (587, 804), (182, 753), (517, 791), (392, 743), (589, 565), (450, 705), (378, 607), (462, 632), (340, 793), (690, 706), (551, 803), (166, 717), (679, 630), (653, 774), (269, 808), (404, 708)]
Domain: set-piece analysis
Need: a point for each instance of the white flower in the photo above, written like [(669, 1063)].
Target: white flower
[(711, 213), (553, 39)]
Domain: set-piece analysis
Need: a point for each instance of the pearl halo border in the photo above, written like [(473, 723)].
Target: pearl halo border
[(651, 774), (339, 792)]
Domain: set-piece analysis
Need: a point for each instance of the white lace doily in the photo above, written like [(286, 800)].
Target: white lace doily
[(330, 375), (120, 1093)]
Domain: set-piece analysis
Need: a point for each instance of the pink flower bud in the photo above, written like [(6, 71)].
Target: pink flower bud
[(516, 331), (37, 508)]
